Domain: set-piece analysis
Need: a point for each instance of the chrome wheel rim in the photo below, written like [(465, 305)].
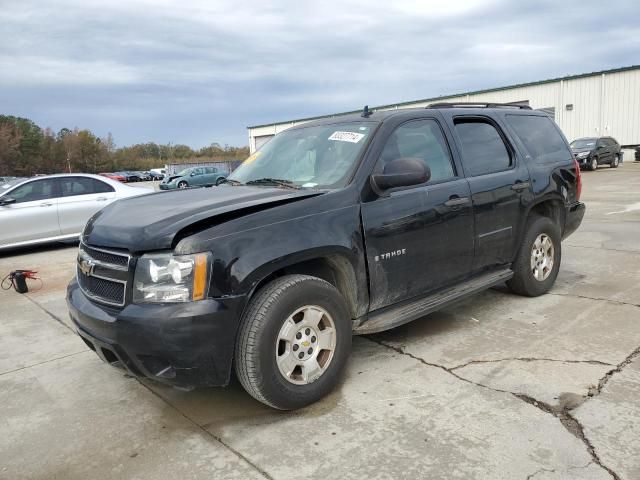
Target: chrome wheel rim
[(305, 345), (182, 185), (542, 257), (594, 164), (615, 161)]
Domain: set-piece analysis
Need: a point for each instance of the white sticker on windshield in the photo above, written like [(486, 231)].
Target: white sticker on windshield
[(352, 137)]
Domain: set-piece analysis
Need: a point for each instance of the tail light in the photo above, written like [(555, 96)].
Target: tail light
[(578, 179)]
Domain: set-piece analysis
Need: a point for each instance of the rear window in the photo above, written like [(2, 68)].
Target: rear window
[(541, 138)]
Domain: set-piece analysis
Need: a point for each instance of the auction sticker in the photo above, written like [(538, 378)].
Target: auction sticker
[(352, 137)]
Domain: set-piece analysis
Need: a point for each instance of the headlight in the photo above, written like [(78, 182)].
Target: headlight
[(165, 278), (583, 154)]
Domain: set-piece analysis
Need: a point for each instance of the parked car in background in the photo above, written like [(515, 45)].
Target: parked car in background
[(114, 176), (5, 179), (158, 171), (129, 176), (54, 207), (154, 175), (591, 152), (144, 176), (193, 177)]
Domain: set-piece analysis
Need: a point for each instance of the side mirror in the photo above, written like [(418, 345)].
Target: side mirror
[(7, 201), (192, 174), (401, 172), (599, 147)]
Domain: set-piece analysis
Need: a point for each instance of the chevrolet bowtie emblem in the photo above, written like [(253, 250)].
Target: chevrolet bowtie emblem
[(86, 266)]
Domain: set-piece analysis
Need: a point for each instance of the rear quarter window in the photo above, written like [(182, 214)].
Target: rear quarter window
[(541, 138)]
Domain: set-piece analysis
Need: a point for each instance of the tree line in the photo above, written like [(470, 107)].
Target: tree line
[(27, 149)]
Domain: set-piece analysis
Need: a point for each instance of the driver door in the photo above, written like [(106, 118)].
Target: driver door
[(197, 176), (34, 214), (420, 238)]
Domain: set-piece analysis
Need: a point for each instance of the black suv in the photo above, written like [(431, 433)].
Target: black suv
[(591, 152), (339, 226)]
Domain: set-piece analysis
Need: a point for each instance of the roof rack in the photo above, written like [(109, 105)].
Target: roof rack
[(478, 105)]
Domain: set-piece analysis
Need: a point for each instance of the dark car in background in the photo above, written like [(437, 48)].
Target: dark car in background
[(592, 151)]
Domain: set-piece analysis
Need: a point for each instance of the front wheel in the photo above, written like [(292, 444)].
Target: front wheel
[(538, 261), (594, 164), (183, 184), (293, 343)]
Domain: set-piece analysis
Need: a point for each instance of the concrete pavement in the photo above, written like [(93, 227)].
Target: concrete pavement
[(500, 387)]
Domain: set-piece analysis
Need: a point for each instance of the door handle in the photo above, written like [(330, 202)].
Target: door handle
[(456, 201), (101, 199), (46, 204), (520, 186)]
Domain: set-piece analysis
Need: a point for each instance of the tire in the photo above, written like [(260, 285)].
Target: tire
[(594, 164), (524, 281), (183, 184), (219, 181), (615, 162), (259, 344)]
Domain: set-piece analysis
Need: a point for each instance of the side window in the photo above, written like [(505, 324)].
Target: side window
[(600, 143), (540, 137), (483, 150), (72, 186), (423, 140), (198, 171), (101, 187), (33, 191)]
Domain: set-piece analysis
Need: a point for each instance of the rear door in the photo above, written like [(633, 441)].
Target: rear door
[(500, 187), (420, 238), (34, 214), (81, 197), (603, 150)]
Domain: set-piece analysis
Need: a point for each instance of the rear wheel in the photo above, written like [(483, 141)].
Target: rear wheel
[(538, 261), (219, 181), (594, 164), (294, 341), (183, 184), (615, 162)]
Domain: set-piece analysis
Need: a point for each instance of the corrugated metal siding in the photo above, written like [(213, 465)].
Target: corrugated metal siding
[(603, 104)]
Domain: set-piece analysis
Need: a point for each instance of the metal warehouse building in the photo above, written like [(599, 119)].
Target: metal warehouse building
[(605, 103)]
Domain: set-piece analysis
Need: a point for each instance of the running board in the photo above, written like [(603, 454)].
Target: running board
[(396, 315)]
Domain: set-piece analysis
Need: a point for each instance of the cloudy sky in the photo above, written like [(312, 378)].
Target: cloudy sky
[(198, 72)]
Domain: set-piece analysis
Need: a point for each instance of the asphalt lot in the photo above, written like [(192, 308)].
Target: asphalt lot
[(500, 387)]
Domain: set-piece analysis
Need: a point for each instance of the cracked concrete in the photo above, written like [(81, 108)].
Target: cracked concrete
[(500, 387)]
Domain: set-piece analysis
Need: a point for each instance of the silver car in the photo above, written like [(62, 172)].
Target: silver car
[(54, 207)]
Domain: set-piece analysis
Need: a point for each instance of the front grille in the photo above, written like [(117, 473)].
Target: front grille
[(121, 260), (103, 274), (101, 289)]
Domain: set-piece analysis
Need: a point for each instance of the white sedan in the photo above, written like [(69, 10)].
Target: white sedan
[(54, 207)]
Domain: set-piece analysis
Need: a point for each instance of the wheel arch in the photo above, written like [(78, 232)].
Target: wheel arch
[(334, 267)]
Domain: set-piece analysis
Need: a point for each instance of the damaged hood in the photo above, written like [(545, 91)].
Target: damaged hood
[(151, 222)]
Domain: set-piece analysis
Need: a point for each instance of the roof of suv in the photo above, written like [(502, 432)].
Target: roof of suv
[(455, 108)]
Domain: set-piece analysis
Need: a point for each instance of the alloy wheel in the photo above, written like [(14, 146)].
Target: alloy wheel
[(305, 345), (542, 257)]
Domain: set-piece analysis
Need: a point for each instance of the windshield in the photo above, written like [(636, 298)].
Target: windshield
[(583, 143), (311, 157), (184, 173)]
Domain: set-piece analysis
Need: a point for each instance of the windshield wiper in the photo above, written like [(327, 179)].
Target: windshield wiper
[(273, 181), (232, 181)]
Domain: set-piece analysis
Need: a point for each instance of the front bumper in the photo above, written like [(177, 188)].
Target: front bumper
[(575, 214), (186, 345), (166, 186)]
